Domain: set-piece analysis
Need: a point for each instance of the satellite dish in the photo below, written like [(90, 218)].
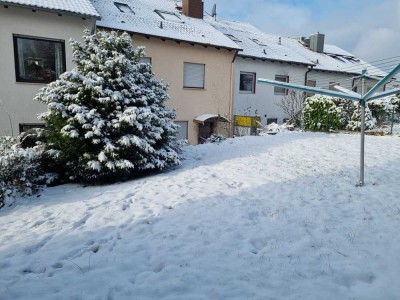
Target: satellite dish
[(214, 11)]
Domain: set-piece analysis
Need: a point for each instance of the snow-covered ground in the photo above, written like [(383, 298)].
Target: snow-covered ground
[(271, 217)]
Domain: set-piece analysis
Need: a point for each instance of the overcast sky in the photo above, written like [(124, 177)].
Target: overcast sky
[(370, 29)]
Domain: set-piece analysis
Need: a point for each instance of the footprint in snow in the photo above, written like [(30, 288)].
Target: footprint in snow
[(36, 247), (81, 222)]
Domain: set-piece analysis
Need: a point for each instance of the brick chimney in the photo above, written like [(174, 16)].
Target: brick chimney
[(193, 8)]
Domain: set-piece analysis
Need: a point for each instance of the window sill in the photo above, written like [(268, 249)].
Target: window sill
[(194, 88), (247, 93), (32, 82)]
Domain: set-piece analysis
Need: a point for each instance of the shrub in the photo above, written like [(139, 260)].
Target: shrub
[(321, 113), (106, 118), (346, 108), (355, 122), (20, 169), (380, 110), (215, 138)]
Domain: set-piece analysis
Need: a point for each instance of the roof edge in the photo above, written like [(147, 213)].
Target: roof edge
[(170, 39), (277, 60), (50, 10)]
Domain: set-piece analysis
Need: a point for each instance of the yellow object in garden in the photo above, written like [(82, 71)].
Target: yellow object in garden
[(246, 121)]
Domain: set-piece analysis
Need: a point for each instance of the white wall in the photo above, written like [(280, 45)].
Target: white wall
[(324, 78), (17, 96), (263, 101)]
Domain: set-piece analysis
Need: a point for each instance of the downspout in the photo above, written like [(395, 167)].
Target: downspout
[(306, 75), (231, 103), (92, 25)]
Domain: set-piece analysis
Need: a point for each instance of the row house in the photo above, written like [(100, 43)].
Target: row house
[(303, 61), (195, 59), (34, 51)]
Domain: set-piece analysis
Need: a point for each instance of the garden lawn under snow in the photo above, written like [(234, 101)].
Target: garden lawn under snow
[(272, 217)]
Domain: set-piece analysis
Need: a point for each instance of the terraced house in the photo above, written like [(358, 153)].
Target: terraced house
[(195, 59), (34, 51), (303, 61)]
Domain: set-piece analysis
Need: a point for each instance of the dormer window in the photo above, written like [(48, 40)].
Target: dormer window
[(337, 58), (125, 8), (168, 16), (233, 38), (259, 43)]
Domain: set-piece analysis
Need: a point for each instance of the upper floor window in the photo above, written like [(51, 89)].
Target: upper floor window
[(193, 75), (311, 83), (281, 90), (169, 16), (258, 42), (37, 59), (247, 82), (125, 8), (233, 38)]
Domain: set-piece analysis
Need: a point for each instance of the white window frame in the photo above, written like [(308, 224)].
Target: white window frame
[(191, 80), (253, 86), (279, 91)]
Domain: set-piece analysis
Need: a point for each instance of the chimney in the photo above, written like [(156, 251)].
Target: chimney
[(317, 41), (193, 8)]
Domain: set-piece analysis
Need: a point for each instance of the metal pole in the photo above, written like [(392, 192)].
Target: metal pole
[(362, 103)]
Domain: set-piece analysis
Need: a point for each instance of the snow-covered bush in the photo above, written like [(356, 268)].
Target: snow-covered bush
[(215, 138), (20, 169), (355, 122), (106, 118), (321, 113), (346, 108), (380, 109), (395, 101)]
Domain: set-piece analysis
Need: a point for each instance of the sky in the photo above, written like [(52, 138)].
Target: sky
[(370, 29)]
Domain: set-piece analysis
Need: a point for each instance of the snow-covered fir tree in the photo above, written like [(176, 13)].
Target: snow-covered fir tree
[(355, 122), (107, 118)]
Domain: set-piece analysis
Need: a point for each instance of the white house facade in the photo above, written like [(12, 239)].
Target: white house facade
[(302, 61), (34, 49)]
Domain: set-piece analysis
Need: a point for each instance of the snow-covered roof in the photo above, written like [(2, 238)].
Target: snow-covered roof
[(78, 7), (258, 44), (160, 18), (205, 117)]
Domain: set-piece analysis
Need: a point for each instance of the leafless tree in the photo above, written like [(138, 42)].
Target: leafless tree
[(292, 105)]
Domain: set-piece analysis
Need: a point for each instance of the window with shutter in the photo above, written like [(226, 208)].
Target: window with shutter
[(193, 75), (182, 132)]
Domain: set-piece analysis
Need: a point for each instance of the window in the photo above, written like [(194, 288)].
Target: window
[(247, 82), (258, 42), (280, 90), (272, 120), (233, 38), (145, 60), (168, 16), (193, 75), (38, 60), (182, 132), (24, 127), (125, 8), (311, 83)]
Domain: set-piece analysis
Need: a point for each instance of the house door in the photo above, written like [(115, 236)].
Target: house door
[(205, 131)]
